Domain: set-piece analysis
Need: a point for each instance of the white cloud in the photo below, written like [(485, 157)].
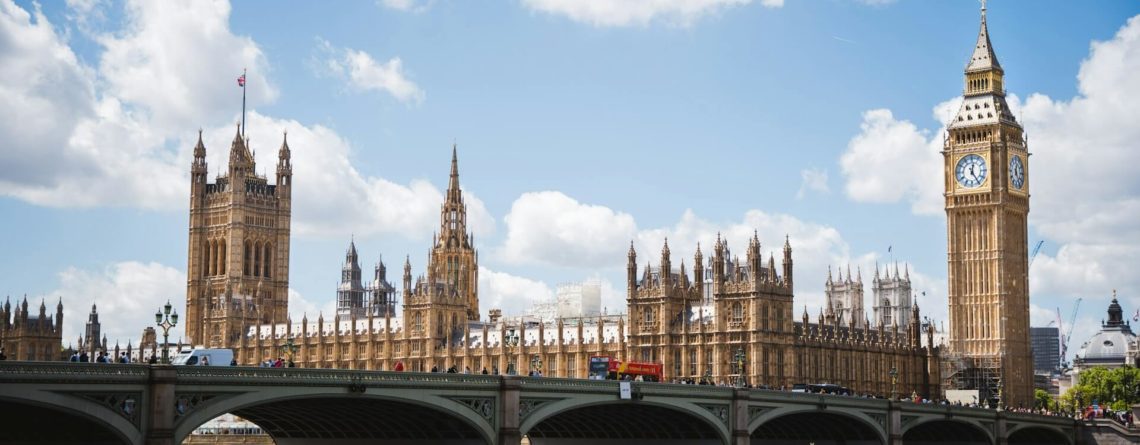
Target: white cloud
[(638, 12), (178, 63), (300, 307), (554, 229), (1085, 194), (104, 139), (408, 5), (892, 160), (127, 295), (814, 179), (364, 73), (361, 204), (100, 138), (513, 294)]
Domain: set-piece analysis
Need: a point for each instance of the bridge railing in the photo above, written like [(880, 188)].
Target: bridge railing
[(12, 371), (322, 377)]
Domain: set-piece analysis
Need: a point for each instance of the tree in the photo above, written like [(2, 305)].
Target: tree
[(1042, 399), (1106, 387)]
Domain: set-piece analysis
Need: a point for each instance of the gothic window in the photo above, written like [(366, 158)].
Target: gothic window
[(454, 219), (649, 316), (737, 312), (692, 362), (222, 261), (248, 258), (257, 259), (265, 261), (417, 322), (439, 325)]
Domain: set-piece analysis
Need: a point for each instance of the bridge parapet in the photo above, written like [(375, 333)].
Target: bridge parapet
[(66, 372)]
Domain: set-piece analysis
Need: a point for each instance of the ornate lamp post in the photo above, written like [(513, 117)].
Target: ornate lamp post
[(290, 350), (739, 358), (511, 340), (166, 320), (999, 406), (536, 364), (894, 373)]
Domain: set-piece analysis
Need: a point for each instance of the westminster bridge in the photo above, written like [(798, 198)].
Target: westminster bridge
[(43, 402)]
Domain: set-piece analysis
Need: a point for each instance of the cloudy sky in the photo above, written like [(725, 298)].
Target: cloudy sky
[(581, 125)]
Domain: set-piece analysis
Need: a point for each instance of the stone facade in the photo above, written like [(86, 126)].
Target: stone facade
[(238, 255), (748, 310), (986, 161), (892, 297), (26, 336), (845, 298)]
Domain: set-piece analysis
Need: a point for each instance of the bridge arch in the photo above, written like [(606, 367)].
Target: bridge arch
[(38, 417), (1030, 434), (946, 430), (819, 426), (332, 413), (603, 419)]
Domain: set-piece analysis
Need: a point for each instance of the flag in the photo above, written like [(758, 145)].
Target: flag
[(241, 80), (243, 83), (1136, 317)]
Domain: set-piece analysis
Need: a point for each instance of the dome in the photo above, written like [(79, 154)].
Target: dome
[(1107, 346), (1111, 345)]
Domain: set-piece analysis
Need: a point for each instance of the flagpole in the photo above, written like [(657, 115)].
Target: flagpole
[(244, 80)]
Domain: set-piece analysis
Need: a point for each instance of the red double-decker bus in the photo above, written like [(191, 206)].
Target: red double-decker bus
[(607, 368)]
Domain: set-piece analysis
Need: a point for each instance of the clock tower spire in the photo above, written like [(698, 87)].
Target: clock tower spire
[(987, 205)]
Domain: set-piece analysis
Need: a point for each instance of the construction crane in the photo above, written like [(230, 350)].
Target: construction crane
[(1033, 255), (1066, 334)]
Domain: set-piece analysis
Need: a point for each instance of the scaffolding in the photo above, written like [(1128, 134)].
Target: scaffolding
[(980, 373)]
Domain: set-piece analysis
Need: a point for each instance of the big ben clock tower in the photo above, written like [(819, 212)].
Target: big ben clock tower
[(986, 164)]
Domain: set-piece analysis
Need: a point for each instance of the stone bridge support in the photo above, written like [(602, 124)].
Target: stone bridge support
[(158, 421)]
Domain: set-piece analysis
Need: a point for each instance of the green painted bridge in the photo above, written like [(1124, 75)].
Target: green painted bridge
[(140, 404)]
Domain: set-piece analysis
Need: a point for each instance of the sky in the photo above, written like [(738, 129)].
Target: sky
[(580, 125)]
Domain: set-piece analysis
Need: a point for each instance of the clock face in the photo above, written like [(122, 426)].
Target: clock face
[(1016, 172), (971, 171)]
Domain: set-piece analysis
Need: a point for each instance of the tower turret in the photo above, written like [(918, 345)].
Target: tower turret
[(631, 272)]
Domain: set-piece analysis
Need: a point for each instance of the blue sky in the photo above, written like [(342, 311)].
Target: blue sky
[(581, 125)]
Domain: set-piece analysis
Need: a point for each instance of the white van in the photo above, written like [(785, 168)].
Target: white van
[(203, 357)]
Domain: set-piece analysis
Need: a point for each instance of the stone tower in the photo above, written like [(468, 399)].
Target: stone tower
[(350, 293), (438, 306), (845, 298), (91, 333), (891, 293), (987, 204), (238, 254)]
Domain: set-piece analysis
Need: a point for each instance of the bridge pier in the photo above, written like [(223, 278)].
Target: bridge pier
[(159, 418), (894, 423), (741, 435), (509, 433)]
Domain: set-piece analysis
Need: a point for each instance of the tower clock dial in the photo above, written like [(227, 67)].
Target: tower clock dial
[(1016, 172), (971, 171)]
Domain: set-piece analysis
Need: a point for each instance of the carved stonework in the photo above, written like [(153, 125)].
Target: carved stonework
[(528, 406), (718, 411), (484, 406), (879, 418), (755, 412), (186, 402), (126, 404)]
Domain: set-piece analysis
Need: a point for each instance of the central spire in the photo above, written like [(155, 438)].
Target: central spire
[(983, 57), (453, 183)]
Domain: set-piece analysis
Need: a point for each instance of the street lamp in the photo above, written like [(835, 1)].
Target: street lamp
[(739, 357), (166, 320), (999, 407), (536, 365), (290, 350), (511, 340), (894, 372)]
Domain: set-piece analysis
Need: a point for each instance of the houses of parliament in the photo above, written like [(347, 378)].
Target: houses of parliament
[(723, 318)]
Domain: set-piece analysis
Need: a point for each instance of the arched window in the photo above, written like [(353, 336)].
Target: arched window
[(417, 322), (649, 316), (737, 312), (209, 256), (222, 258), (439, 325), (265, 260), (247, 259), (257, 259)]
